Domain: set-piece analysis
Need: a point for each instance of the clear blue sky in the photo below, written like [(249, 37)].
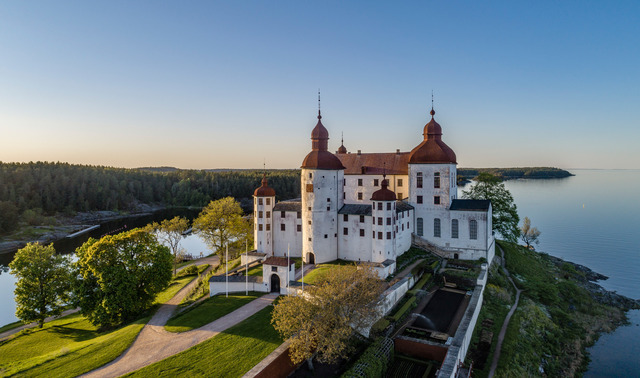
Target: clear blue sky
[(202, 84)]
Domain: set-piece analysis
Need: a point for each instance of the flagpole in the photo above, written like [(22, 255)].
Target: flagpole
[(226, 258), (303, 274), (246, 268), (288, 269)]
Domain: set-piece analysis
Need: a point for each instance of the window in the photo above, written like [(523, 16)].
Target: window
[(419, 226), (268, 201), (436, 200), (419, 199), (403, 227), (473, 230), (259, 214), (282, 227), (259, 227), (344, 182), (436, 227), (345, 231), (375, 182), (380, 235), (359, 182), (299, 228), (328, 208), (379, 221), (361, 218), (419, 180), (259, 201), (379, 205), (309, 222), (309, 239), (268, 226), (344, 195), (360, 196), (328, 199), (282, 215), (309, 208), (274, 268), (361, 233), (388, 221), (436, 180), (268, 214), (388, 235), (310, 175), (298, 215), (454, 228), (399, 196), (326, 236), (374, 234), (399, 182)]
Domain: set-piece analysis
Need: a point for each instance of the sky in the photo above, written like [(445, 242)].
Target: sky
[(233, 84)]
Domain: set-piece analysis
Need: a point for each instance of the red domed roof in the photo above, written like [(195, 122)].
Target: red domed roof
[(265, 190), (319, 157), (432, 149), (383, 194)]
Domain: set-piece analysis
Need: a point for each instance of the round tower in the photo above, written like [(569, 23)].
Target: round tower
[(383, 211), (322, 181), (432, 180), (264, 199)]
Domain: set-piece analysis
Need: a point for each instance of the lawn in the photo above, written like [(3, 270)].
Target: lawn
[(256, 271), (208, 311), (232, 353), (313, 276), (65, 347), (10, 326), (176, 285)]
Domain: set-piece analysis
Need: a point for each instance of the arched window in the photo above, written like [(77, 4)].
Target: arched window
[(454, 228), (419, 227), (436, 227), (473, 229)]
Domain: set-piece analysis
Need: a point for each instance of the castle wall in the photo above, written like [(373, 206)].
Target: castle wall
[(352, 246), (263, 224), (404, 227), (397, 184), (289, 238)]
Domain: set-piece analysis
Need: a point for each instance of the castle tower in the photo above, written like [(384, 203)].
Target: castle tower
[(264, 199), (383, 210), (432, 181), (322, 181)]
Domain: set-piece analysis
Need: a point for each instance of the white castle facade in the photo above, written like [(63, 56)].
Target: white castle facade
[(371, 207)]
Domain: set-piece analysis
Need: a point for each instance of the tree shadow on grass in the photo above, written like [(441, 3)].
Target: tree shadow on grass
[(75, 333)]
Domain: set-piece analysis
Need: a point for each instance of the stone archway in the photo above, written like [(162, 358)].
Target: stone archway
[(311, 258), (275, 283), (456, 256)]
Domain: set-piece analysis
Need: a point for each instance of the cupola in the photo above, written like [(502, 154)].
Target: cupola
[(265, 190), (432, 150), (319, 157), (383, 194)]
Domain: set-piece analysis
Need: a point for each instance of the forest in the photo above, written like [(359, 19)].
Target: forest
[(28, 190)]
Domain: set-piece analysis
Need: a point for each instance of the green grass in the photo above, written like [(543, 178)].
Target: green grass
[(313, 276), (232, 353), (256, 271), (64, 347), (176, 285), (10, 326), (208, 311)]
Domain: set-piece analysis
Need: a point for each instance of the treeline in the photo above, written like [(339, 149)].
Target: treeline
[(51, 188), (514, 173)]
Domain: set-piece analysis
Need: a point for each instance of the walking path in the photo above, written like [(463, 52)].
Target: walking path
[(503, 330)]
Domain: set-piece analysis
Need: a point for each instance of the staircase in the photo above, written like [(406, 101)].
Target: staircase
[(418, 242)]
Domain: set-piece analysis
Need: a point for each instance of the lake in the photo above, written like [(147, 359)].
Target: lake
[(590, 219)]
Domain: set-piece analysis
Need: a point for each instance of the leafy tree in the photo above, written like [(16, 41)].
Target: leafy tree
[(43, 282), (119, 276), (505, 212), (320, 322), (171, 232), (220, 223), (529, 234)]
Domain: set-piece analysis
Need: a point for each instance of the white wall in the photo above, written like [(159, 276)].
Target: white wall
[(290, 237), (352, 189), (263, 241), (354, 247), (403, 237)]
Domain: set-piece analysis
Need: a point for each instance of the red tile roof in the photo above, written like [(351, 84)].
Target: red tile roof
[(277, 261), (391, 163)]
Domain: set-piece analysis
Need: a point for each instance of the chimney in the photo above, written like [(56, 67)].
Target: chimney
[(359, 152), (397, 151)]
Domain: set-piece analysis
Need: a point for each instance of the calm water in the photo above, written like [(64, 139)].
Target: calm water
[(592, 219), (192, 244)]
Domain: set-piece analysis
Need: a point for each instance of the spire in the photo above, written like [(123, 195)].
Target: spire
[(319, 115), (432, 112)]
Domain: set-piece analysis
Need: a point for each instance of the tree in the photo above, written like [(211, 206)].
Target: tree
[(220, 223), (171, 232), (529, 234), (505, 212), (8, 216), (43, 282), (119, 276), (321, 321)]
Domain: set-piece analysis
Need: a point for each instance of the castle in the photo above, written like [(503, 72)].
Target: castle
[(371, 207)]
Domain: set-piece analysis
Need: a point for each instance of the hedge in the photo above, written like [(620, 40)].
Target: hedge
[(395, 317), (374, 361)]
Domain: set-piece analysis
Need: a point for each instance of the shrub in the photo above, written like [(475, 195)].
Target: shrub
[(374, 361), (403, 310), (188, 271)]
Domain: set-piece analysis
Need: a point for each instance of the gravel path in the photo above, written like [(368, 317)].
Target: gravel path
[(503, 330)]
